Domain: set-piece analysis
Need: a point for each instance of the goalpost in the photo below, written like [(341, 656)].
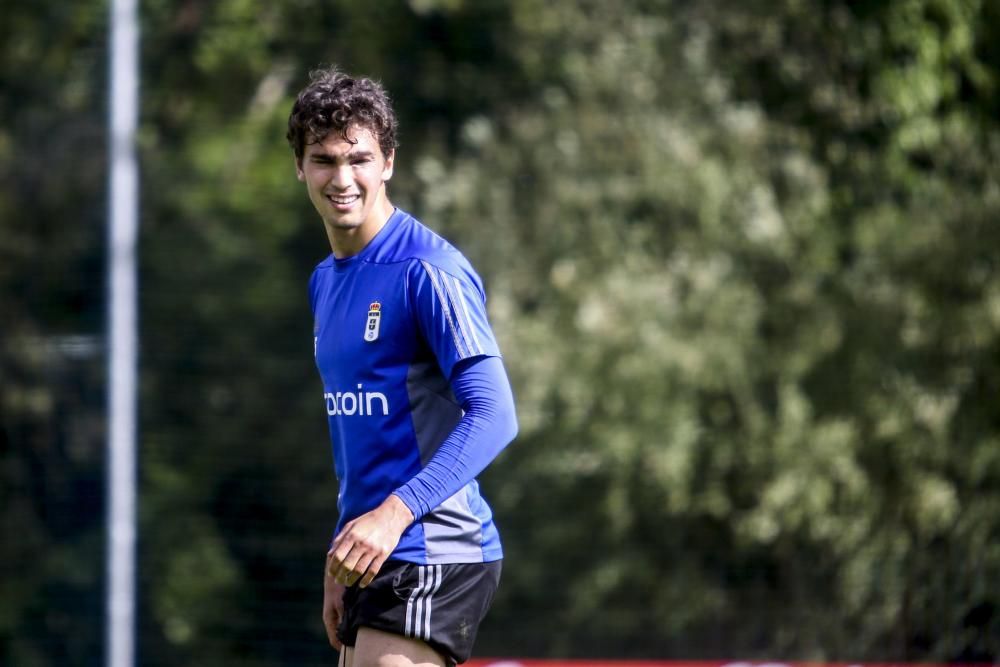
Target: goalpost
[(122, 337)]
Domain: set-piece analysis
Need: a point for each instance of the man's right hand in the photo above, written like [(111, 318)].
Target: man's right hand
[(333, 605)]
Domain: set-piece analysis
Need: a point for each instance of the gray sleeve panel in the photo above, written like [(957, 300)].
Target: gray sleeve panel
[(453, 533), (432, 407)]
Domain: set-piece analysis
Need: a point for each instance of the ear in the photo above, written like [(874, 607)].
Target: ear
[(301, 175), (387, 169)]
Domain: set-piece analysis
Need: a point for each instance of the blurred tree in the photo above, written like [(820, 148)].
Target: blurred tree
[(738, 255), (902, 121), (758, 238), (51, 235)]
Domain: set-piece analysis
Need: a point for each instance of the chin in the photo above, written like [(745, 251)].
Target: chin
[(344, 224)]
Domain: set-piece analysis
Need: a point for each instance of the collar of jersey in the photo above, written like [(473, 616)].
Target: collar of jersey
[(348, 263)]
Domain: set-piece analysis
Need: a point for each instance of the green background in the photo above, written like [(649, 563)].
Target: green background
[(743, 259)]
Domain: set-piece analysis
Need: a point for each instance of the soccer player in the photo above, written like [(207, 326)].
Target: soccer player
[(416, 394)]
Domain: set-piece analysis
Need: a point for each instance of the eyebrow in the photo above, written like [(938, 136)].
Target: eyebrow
[(351, 154)]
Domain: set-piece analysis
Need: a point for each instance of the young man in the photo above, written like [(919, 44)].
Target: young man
[(416, 394)]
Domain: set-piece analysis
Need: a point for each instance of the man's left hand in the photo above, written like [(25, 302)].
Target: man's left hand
[(360, 549)]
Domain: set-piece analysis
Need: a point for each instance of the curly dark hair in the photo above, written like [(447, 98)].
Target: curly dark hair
[(335, 102)]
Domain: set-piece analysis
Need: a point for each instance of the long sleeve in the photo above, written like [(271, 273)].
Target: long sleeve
[(481, 387)]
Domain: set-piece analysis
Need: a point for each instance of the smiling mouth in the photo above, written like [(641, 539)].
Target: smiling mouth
[(343, 200)]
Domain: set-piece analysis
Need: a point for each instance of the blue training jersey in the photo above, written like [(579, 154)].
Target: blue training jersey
[(390, 325)]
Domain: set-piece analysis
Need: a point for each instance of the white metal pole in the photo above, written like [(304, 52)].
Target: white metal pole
[(122, 347)]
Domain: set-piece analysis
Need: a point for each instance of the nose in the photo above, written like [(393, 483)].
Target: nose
[(341, 177)]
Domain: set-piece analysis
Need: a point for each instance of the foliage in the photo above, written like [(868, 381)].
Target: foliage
[(738, 254)]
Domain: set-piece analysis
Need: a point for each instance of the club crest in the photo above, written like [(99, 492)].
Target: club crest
[(374, 317)]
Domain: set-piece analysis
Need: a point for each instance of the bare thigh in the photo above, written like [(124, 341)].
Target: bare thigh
[(375, 648)]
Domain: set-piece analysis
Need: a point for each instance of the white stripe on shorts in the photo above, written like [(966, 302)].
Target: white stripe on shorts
[(408, 630), (436, 577), (418, 605)]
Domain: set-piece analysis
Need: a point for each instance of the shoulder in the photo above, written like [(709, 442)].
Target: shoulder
[(319, 273), (321, 270), (324, 265), (424, 250)]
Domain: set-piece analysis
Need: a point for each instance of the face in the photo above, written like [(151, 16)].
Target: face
[(346, 184)]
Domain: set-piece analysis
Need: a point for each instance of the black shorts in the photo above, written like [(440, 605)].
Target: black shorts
[(441, 605)]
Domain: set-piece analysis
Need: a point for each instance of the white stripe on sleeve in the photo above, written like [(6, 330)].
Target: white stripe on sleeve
[(470, 328), (446, 309)]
